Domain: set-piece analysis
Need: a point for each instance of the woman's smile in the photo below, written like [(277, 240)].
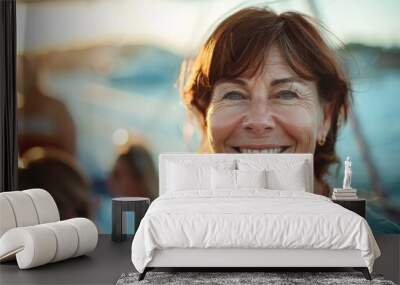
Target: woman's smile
[(261, 148)]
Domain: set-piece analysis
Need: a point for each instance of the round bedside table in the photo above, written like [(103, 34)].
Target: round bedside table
[(138, 205)]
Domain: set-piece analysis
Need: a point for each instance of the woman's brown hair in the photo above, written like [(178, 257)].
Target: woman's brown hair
[(238, 48)]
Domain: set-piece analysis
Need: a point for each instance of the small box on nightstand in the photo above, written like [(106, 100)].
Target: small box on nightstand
[(356, 205)]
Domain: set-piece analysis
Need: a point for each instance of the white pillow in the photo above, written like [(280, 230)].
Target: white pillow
[(223, 179), (185, 174), (187, 177), (293, 179), (251, 178), (282, 174)]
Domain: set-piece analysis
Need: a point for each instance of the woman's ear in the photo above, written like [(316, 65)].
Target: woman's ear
[(325, 123)]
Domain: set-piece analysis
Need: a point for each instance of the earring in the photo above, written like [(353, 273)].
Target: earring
[(321, 142)]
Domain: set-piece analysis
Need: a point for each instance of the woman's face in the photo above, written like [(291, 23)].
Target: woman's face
[(273, 112)]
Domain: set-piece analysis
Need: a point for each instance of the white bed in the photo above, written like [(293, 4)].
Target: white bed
[(202, 226)]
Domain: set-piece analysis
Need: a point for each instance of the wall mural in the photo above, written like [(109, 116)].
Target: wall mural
[(105, 86)]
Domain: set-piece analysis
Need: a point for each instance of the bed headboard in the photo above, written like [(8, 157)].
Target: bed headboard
[(164, 158)]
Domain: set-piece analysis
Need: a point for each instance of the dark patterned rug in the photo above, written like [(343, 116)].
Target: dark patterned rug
[(229, 278)]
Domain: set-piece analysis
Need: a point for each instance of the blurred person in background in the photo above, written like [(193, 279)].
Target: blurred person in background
[(134, 174), (43, 121), (56, 172)]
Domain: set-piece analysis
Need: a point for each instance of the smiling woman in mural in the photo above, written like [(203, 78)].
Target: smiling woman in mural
[(269, 83)]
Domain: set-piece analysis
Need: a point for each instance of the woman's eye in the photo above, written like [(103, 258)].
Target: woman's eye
[(287, 95), (233, 96)]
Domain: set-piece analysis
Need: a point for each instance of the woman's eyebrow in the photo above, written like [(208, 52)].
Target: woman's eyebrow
[(286, 80), (233, 80)]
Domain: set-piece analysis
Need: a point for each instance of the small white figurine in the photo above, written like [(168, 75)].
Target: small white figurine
[(347, 173)]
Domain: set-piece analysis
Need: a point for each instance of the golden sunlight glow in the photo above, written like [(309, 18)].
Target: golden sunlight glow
[(181, 26), (33, 154)]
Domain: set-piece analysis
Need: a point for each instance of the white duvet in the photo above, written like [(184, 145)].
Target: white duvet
[(252, 218)]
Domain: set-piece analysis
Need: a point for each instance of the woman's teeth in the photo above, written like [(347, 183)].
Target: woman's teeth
[(266, 150)]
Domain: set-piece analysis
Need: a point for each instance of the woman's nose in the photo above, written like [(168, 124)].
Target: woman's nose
[(259, 120)]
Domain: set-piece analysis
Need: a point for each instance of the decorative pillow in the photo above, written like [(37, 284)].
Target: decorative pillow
[(187, 177), (251, 178), (184, 174), (293, 179), (282, 174), (223, 179)]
